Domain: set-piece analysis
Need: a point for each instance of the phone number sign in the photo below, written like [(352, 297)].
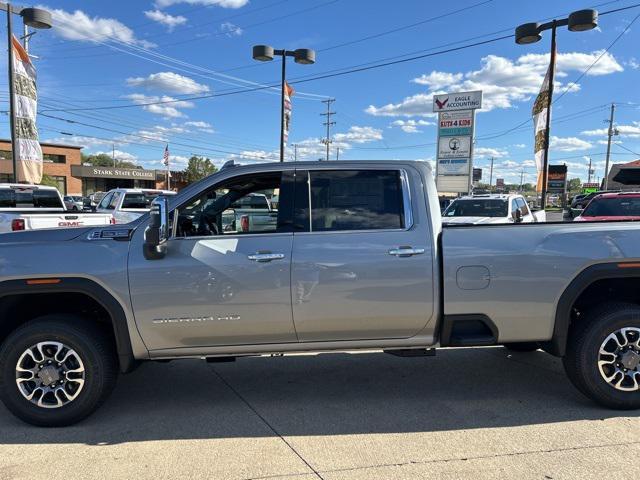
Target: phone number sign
[(452, 124)]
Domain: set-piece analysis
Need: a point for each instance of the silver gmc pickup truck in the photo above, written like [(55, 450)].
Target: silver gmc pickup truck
[(357, 259)]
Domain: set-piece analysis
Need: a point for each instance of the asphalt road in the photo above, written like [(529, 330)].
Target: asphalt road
[(478, 414)]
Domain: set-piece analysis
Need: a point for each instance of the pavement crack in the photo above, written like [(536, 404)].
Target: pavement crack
[(478, 457), (266, 422)]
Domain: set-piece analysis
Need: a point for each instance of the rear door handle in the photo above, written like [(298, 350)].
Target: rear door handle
[(406, 251), (265, 256)]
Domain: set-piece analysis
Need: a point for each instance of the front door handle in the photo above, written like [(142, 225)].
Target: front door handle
[(265, 256), (406, 251)]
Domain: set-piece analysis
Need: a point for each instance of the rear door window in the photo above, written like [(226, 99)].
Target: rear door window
[(11, 198), (356, 200)]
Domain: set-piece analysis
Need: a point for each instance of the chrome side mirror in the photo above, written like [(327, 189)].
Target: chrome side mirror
[(157, 233)]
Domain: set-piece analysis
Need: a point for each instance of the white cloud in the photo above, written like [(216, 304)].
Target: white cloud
[(358, 135), (484, 152), (79, 26), (410, 126), (230, 29), (120, 155), (167, 110), (219, 3), (631, 131), (200, 125), (502, 80), (437, 80), (569, 144), (170, 21), (519, 145), (168, 82), (633, 63), (80, 141)]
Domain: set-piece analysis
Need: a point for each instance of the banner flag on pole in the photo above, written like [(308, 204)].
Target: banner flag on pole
[(541, 108), (28, 150), (288, 93)]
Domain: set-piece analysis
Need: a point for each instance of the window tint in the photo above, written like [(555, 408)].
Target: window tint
[(113, 203), (356, 200), (139, 200), (480, 207), (226, 209), (613, 207), (29, 199), (104, 203)]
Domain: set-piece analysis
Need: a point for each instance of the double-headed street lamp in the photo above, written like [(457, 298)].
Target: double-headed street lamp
[(265, 53), (579, 21), (32, 17)]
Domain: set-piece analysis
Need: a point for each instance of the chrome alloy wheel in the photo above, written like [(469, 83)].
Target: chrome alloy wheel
[(619, 359), (50, 374)]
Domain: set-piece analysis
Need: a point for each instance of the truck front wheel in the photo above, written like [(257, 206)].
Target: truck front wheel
[(603, 355), (56, 370)]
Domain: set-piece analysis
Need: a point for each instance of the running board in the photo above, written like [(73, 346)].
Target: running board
[(412, 352)]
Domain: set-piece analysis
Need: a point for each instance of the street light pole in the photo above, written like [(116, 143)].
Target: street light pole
[(265, 53), (610, 133), (579, 21), (547, 130), (282, 88), (36, 18), (12, 97)]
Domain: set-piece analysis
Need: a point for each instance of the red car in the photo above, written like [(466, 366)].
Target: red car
[(612, 207)]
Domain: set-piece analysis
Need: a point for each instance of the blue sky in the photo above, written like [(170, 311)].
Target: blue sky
[(117, 54)]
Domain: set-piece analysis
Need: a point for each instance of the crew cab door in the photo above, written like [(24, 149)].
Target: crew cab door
[(217, 285), (363, 266)]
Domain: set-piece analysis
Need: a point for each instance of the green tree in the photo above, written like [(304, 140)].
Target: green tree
[(105, 160), (48, 181), (574, 185), (198, 168)]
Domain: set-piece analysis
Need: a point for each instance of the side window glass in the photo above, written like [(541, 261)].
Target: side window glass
[(240, 205), (356, 200), (105, 201), (523, 207), (514, 207), (114, 201)]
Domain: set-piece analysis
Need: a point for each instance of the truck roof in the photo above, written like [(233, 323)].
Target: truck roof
[(492, 196), (26, 186)]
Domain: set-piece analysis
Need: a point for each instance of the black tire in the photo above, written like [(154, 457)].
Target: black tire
[(522, 346), (581, 359), (93, 345)]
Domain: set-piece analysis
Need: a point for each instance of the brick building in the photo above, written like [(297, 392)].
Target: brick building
[(63, 164)]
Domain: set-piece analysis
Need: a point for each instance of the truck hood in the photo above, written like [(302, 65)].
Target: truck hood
[(474, 220), (46, 235)]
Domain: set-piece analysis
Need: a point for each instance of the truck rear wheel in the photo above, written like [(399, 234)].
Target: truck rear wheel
[(56, 370), (603, 355)]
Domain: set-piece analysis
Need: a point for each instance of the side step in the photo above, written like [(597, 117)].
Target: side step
[(412, 352)]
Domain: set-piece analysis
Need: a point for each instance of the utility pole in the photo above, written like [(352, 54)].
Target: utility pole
[(610, 134), (328, 123), (589, 176), (113, 154), (295, 152), (521, 178), (337, 153), (491, 174)]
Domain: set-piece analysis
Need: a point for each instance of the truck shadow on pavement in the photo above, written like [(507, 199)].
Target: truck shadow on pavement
[(329, 394)]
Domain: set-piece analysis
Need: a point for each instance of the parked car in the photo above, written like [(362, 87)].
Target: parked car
[(35, 207), (488, 209), (73, 202), (127, 204), (579, 202), (359, 261), (612, 206)]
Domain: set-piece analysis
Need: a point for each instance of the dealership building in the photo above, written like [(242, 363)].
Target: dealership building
[(63, 164)]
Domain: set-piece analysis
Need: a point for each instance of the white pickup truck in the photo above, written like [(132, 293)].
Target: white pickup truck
[(491, 209), (35, 207), (128, 204)]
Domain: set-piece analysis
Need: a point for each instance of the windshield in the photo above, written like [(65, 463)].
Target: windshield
[(481, 207), (140, 200), (613, 207)]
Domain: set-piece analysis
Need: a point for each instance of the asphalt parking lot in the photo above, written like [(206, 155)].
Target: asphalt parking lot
[(477, 413)]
